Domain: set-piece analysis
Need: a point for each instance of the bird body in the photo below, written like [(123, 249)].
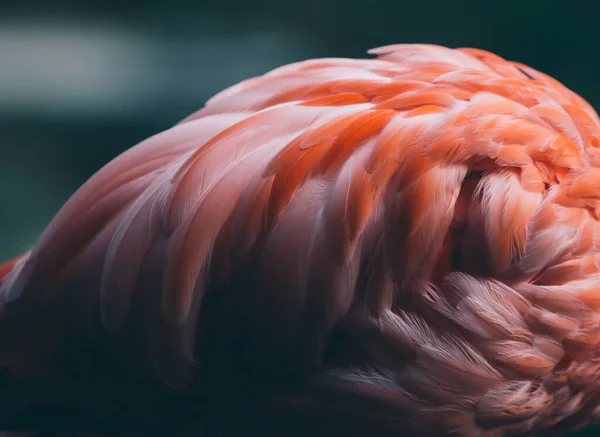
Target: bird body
[(399, 246)]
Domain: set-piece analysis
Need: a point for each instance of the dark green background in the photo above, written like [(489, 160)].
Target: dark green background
[(81, 81)]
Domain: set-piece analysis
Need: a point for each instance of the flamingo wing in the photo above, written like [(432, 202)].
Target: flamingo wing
[(416, 229)]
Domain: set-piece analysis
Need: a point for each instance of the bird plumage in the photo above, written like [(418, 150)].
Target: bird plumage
[(405, 245)]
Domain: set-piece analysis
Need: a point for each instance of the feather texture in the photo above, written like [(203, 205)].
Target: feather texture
[(406, 245)]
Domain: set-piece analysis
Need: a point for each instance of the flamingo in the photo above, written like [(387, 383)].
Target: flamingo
[(405, 245)]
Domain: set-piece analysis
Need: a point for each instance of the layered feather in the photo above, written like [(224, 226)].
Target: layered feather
[(413, 238)]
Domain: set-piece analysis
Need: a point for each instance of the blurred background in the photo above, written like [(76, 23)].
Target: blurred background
[(83, 80)]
